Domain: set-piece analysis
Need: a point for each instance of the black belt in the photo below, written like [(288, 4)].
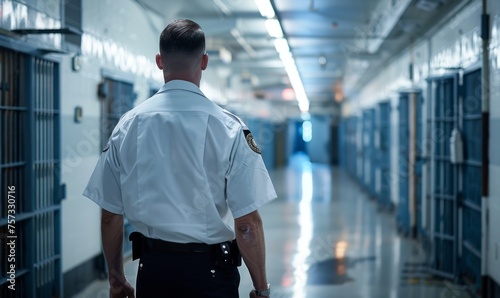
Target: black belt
[(225, 254), (157, 245)]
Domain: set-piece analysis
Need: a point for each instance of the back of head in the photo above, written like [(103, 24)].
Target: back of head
[(182, 43)]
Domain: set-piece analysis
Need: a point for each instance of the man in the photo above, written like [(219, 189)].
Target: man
[(190, 178)]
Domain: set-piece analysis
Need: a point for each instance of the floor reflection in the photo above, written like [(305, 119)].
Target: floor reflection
[(306, 224), (333, 271), (325, 238)]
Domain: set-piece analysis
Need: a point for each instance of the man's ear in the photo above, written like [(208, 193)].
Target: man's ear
[(159, 62), (204, 61)]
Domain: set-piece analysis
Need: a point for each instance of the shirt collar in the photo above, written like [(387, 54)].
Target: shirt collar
[(181, 85)]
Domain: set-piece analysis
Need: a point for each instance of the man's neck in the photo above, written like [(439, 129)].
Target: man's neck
[(183, 77)]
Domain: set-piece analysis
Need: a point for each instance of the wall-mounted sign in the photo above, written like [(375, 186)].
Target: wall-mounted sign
[(110, 52)]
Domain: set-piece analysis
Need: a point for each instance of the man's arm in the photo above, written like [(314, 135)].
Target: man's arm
[(112, 242), (250, 239)]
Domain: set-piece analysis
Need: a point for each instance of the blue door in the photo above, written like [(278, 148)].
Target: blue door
[(472, 179), (351, 146), (418, 168), (319, 142), (403, 209), (444, 184), (341, 143), (368, 133), (372, 156), (384, 155)]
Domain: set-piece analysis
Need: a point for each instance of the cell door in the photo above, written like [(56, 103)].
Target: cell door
[(384, 128), (419, 163), (444, 177), (373, 154), (30, 210), (367, 149), (341, 143), (352, 150), (403, 208), (472, 179), (119, 99)]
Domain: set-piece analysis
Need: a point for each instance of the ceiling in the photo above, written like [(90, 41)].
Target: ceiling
[(325, 37)]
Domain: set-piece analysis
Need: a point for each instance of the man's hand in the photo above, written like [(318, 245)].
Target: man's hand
[(112, 242), (119, 286), (253, 295), (124, 290), (250, 239)]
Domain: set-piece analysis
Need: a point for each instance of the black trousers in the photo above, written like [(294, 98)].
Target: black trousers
[(185, 275)]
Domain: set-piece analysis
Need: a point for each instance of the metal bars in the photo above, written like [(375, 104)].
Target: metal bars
[(47, 257), (384, 153), (444, 177), (351, 152), (368, 132), (418, 167), (456, 189), (472, 179), (13, 113), (119, 100), (403, 208), (30, 161)]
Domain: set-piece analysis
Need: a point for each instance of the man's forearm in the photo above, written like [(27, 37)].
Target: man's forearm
[(112, 241), (250, 238)]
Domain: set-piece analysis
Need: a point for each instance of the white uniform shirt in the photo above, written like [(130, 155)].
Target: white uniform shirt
[(180, 168)]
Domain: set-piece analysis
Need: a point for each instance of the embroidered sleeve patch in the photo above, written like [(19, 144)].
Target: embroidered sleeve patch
[(251, 141)]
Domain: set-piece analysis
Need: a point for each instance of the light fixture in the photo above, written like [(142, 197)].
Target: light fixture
[(274, 28), (265, 8), (295, 81), (307, 131), (322, 61), (281, 45), (76, 62), (287, 58)]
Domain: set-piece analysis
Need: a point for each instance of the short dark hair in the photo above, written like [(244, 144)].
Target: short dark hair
[(182, 37)]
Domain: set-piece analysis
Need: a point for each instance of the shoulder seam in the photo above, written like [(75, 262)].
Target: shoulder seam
[(238, 119)]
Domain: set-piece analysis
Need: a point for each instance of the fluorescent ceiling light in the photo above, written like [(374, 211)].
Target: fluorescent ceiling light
[(281, 45), (265, 8), (274, 28), (287, 58)]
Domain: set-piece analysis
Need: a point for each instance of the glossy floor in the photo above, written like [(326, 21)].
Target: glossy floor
[(325, 238)]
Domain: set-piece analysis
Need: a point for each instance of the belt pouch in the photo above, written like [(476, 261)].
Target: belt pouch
[(138, 244)]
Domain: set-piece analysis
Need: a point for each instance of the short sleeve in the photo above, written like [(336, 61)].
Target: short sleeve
[(104, 185), (248, 183)]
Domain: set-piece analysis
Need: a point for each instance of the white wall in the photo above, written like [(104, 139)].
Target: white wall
[(454, 43), (125, 25)]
